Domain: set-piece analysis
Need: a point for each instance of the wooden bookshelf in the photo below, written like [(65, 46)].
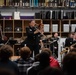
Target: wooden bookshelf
[(20, 34)]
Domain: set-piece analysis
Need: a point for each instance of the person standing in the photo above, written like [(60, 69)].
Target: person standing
[(32, 40), (54, 45), (69, 40)]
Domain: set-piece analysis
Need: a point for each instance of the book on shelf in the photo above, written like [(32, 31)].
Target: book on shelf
[(74, 15), (35, 3), (54, 27), (73, 26), (41, 3), (59, 2), (46, 28), (27, 3), (53, 15), (6, 2), (37, 15), (16, 15), (1, 2), (46, 3), (66, 28), (31, 3), (50, 14)]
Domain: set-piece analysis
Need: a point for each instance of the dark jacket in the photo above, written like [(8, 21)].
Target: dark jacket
[(9, 65), (32, 38), (68, 42)]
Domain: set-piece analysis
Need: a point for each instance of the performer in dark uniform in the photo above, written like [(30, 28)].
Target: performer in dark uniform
[(32, 37), (73, 42), (54, 45), (69, 40)]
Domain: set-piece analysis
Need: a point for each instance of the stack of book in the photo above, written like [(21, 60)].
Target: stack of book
[(39, 3)]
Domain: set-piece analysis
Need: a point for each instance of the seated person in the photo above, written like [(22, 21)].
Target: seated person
[(6, 52), (24, 61), (69, 64), (53, 62)]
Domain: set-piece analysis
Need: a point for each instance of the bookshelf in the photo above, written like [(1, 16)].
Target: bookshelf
[(39, 3), (58, 22), (10, 28)]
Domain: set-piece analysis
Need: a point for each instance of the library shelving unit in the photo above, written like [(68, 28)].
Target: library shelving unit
[(17, 28)]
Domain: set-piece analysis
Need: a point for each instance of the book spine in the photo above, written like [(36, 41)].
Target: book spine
[(35, 3), (30, 3)]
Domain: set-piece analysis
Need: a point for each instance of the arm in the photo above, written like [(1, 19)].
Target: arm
[(30, 32)]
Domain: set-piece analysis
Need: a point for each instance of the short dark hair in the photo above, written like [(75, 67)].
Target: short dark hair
[(69, 62), (73, 50), (44, 58), (47, 50), (6, 51), (25, 52)]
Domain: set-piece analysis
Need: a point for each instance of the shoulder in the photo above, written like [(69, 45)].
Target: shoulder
[(12, 63), (27, 27), (34, 69)]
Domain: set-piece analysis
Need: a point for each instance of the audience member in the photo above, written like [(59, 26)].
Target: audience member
[(6, 52), (24, 61), (36, 62), (44, 62), (73, 50), (69, 64), (53, 62)]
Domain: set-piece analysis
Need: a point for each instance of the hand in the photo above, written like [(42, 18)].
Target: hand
[(71, 47), (55, 47), (37, 31)]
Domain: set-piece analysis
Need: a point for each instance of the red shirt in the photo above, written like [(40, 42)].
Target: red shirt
[(54, 63)]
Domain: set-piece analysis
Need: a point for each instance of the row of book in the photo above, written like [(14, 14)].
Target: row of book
[(55, 28), (60, 14), (66, 28), (42, 15), (37, 3)]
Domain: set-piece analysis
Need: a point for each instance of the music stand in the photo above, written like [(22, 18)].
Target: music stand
[(2, 41), (12, 42)]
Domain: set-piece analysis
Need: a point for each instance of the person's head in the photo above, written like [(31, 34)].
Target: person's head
[(25, 52), (73, 50), (47, 50), (56, 35), (44, 59), (74, 35), (32, 23), (69, 63), (71, 35), (6, 52)]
